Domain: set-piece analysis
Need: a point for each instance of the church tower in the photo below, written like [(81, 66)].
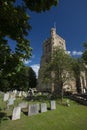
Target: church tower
[(53, 41), (48, 45)]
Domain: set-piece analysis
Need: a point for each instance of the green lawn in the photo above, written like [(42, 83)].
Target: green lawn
[(63, 118)]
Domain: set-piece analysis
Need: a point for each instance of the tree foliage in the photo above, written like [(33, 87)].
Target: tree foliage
[(77, 66), (14, 24), (84, 55), (40, 5), (22, 80), (25, 79), (58, 70)]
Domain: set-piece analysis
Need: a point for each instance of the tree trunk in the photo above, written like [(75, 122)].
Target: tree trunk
[(61, 91), (62, 95)]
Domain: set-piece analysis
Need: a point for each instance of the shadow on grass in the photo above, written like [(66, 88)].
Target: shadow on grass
[(25, 111), (3, 116)]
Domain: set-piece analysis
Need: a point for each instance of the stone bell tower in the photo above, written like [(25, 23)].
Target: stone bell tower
[(48, 45), (53, 41)]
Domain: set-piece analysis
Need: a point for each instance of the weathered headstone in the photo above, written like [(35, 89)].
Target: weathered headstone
[(15, 91), (20, 94), (43, 107), (11, 101), (68, 102), (53, 105), (23, 105), (24, 94), (33, 109), (16, 113), (13, 95), (6, 96)]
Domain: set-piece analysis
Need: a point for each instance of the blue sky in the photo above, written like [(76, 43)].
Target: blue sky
[(70, 17)]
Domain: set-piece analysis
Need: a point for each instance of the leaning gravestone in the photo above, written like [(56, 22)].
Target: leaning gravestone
[(43, 107), (6, 96), (16, 113), (53, 105), (23, 105), (33, 109)]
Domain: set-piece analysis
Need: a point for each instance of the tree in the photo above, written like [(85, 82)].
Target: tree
[(14, 24), (32, 78), (40, 5), (77, 66), (24, 79), (58, 71), (84, 55)]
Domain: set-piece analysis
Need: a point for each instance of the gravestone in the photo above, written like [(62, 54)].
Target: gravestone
[(24, 94), (33, 109), (6, 96), (20, 94), (11, 101), (15, 91), (67, 103), (13, 95), (16, 113), (23, 105), (53, 105), (43, 107)]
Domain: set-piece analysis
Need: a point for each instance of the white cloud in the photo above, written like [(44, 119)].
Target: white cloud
[(69, 52), (78, 53), (27, 61), (36, 67), (74, 53)]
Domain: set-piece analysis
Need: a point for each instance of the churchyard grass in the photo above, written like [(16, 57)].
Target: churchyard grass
[(73, 117)]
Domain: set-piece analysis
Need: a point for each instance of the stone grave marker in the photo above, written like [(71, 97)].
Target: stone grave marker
[(43, 107), (15, 91), (68, 103), (24, 94), (10, 101), (23, 105), (53, 105), (16, 113), (20, 94), (6, 96), (13, 95), (33, 109)]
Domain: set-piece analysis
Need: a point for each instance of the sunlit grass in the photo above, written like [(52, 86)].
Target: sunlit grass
[(63, 118)]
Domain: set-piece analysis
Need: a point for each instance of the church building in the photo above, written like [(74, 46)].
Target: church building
[(48, 45)]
